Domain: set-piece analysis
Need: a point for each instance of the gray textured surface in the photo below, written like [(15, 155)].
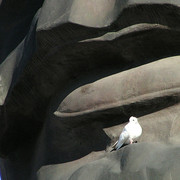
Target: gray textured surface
[(96, 63), (148, 82), (131, 163)]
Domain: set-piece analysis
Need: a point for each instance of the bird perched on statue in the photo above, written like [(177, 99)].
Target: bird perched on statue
[(131, 132)]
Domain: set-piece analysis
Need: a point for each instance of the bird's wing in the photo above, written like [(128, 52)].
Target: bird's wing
[(122, 138)]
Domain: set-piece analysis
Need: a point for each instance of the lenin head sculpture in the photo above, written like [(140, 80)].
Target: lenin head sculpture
[(71, 75)]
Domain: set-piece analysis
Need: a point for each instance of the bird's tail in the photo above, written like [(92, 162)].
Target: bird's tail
[(119, 145)]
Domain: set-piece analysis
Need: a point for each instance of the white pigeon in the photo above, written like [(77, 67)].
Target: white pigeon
[(131, 132)]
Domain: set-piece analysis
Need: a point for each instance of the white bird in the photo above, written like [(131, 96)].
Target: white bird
[(131, 132)]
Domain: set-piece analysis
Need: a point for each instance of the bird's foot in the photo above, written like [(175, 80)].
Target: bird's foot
[(131, 141)]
